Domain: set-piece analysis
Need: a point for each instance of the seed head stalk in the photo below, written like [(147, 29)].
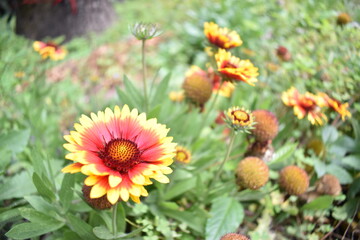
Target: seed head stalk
[(143, 54)]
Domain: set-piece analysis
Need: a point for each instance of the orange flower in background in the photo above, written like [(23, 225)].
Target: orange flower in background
[(307, 104), (335, 105), (177, 96), (221, 37), (225, 89), (239, 119), (50, 50), (119, 151), (234, 69)]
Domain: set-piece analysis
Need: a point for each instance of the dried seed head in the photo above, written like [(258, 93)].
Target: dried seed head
[(234, 236), (329, 185)]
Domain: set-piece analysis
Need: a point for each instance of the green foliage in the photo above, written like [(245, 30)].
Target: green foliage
[(41, 100)]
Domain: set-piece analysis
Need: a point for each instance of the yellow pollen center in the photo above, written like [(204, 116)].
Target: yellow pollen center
[(241, 115), (122, 150), (181, 156)]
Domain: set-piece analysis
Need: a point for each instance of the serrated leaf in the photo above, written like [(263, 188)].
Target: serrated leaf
[(42, 188), (343, 176), (103, 233), (320, 203), (282, 156), (66, 191), (226, 216), (15, 140), (29, 230), (83, 229), (17, 186), (320, 167)]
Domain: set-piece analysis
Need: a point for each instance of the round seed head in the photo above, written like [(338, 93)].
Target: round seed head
[(266, 127), (197, 87), (252, 173), (234, 236), (294, 180), (97, 203)]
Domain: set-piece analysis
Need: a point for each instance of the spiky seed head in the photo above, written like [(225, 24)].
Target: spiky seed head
[(198, 88), (262, 150), (294, 180), (328, 185), (266, 127), (343, 19), (234, 236), (252, 173), (97, 203), (317, 146)]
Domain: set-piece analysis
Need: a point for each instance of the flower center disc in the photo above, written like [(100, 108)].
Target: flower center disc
[(181, 156), (120, 154), (241, 115)]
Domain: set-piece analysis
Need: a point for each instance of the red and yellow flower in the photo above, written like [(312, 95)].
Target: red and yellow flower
[(120, 151), (221, 37), (50, 50), (239, 119), (335, 105), (306, 104), (225, 88), (234, 69)]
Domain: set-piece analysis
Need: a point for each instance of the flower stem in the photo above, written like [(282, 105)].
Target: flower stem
[(114, 212), (207, 113), (144, 73), (227, 155)]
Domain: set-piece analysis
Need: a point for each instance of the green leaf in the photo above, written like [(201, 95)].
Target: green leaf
[(14, 140), (29, 230), (125, 99), (41, 205), (133, 92), (226, 216), (282, 156), (17, 186), (354, 188), (178, 188), (43, 188), (343, 176), (161, 91), (66, 191), (9, 215), (329, 134), (352, 161), (83, 229), (35, 216), (194, 221), (320, 203), (103, 233)]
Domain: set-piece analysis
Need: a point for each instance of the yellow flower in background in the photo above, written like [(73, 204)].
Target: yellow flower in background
[(120, 151), (182, 155), (221, 37), (19, 74), (306, 104), (177, 96), (50, 50), (234, 69), (335, 105)]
